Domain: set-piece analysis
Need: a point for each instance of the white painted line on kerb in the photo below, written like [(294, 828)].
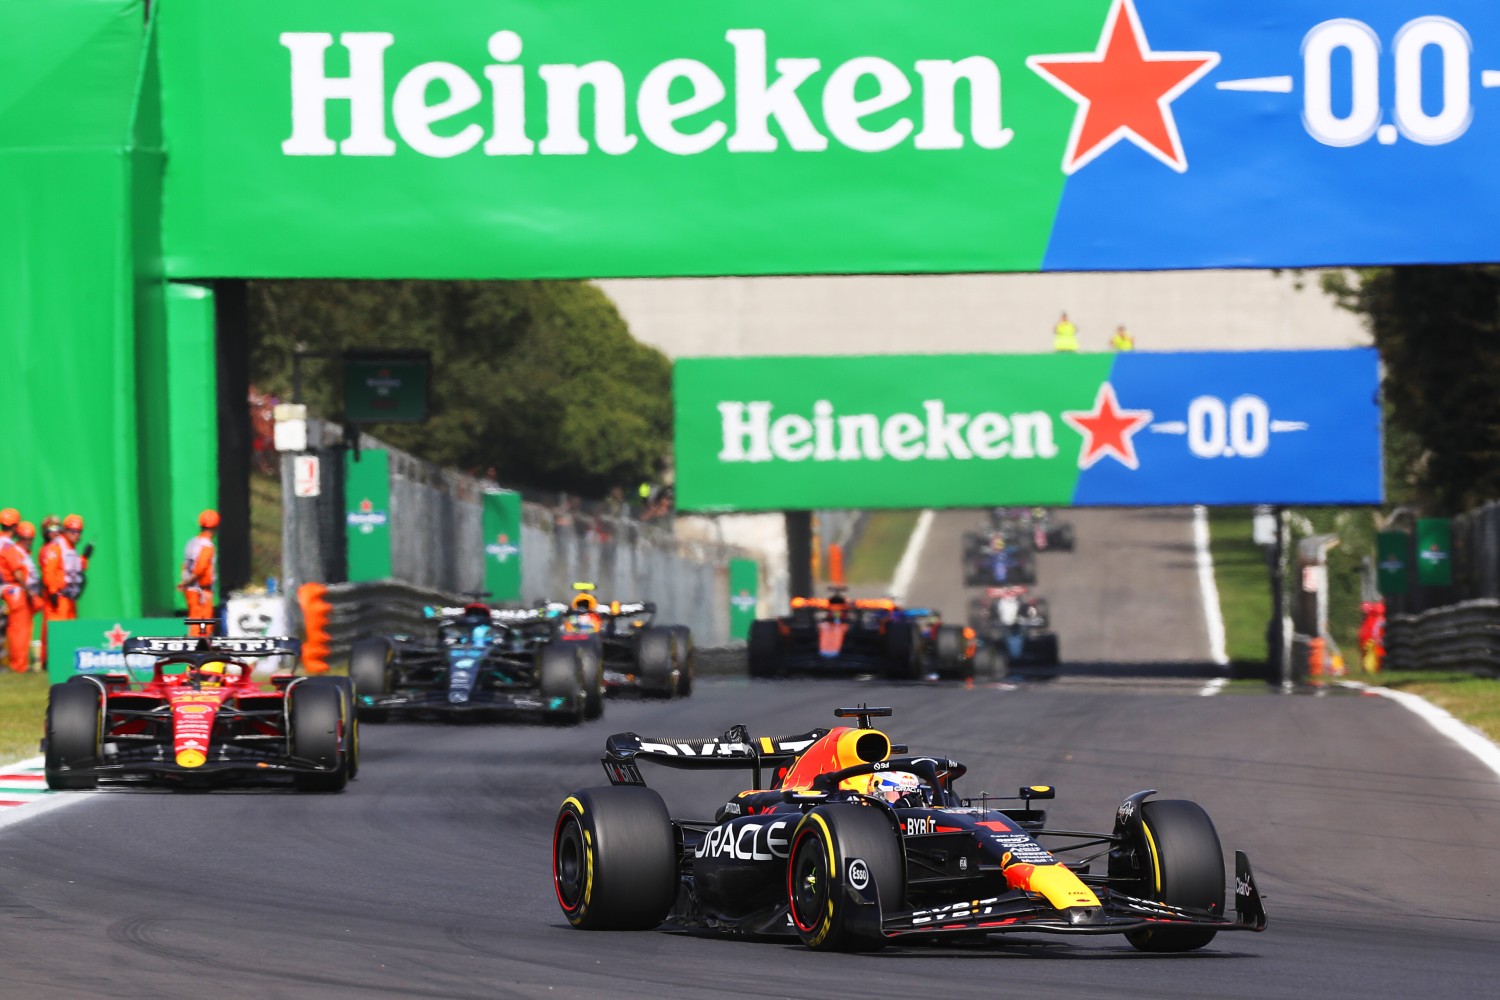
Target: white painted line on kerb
[(1260, 85), (1209, 590), (907, 567), (1214, 686), (34, 802), (1479, 745)]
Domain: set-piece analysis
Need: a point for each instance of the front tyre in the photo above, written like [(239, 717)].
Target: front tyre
[(827, 851), (317, 725), (560, 678), (75, 735), (614, 859), (373, 674), (1183, 865), (656, 661)]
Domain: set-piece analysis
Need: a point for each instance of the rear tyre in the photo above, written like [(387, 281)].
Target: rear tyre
[(903, 651), (990, 663), (1183, 865), (818, 888), (591, 658), (316, 727), (687, 659), (765, 638), (1047, 652), (656, 661), (373, 675), (560, 678), (950, 645), (614, 859), (75, 735)]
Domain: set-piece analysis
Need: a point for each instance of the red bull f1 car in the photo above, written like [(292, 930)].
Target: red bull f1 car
[(201, 720), (849, 842), (635, 652)]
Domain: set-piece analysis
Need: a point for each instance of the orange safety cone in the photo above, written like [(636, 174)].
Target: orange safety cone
[(1316, 657)]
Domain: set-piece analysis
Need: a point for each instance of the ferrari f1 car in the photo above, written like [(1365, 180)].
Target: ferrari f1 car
[(202, 719), (636, 653), (848, 842), (838, 635), (1016, 623), (479, 660)]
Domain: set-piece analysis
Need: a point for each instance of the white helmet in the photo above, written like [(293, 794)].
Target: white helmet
[(897, 787)]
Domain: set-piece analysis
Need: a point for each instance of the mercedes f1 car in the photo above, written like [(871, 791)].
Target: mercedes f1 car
[(848, 842), (478, 660), (1016, 623), (636, 653), (201, 720), (838, 635)]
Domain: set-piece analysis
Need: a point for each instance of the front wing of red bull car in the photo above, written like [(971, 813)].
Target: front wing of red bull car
[(202, 720), (849, 842)]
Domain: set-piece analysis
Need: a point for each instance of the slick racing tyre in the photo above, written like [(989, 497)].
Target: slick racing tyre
[(836, 848), (903, 651), (591, 658), (371, 671), (765, 638), (989, 663), (345, 687), (75, 734), (1182, 864), (687, 659), (949, 648), (1046, 650), (614, 859), (656, 661), (560, 678), (316, 727)]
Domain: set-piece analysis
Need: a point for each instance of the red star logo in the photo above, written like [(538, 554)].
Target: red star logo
[(502, 538), (1124, 91), (366, 506), (1107, 429), (115, 637)]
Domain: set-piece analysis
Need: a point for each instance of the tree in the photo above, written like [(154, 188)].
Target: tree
[(1438, 332), (540, 380)]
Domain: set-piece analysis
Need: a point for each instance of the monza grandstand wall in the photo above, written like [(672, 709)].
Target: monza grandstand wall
[(437, 543)]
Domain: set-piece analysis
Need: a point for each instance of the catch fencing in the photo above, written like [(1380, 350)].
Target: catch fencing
[(437, 547)]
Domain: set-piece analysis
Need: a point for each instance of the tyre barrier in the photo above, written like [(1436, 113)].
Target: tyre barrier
[(1463, 636)]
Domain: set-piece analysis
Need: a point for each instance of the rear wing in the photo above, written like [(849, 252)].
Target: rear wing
[(234, 646), (735, 749)]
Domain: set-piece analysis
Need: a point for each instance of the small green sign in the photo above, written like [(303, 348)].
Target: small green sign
[(367, 514), (744, 595), (386, 388), (1434, 552), (1392, 572), (502, 546), (93, 646)]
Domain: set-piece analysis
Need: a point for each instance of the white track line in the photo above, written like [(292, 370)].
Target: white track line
[(1476, 743), (1214, 686), (1208, 589), (37, 802), (907, 567)]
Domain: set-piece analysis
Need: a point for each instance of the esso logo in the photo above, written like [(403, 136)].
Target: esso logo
[(859, 873)]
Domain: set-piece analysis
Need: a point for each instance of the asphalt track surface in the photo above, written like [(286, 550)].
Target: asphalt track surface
[(1374, 839)]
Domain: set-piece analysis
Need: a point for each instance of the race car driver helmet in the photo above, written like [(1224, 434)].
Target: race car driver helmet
[(899, 788)]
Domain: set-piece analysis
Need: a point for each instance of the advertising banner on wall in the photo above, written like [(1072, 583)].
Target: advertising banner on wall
[(502, 545), (1393, 571), (744, 595), (544, 138), (94, 646), (367, 514), (1283, 427), (1434, 552)]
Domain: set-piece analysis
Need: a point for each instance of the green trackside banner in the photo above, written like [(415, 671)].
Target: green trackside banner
[(744, 594), (594, 138), (1132, 429), (1434, 552), (367, 507), (92, 646), (1393, 571), (502, 546)]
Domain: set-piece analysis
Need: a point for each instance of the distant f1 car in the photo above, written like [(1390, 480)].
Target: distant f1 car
[(998, 559), (202, 720), (637, 654), (479, 660), (848, 843), (838, 635), (1016, 622)]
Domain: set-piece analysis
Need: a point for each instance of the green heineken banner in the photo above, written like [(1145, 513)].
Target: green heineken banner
[(744, 594), (502, 546), (1434, 552), (92, 646), (384, 387), (1393, 572), (808, 433), (367, 506)]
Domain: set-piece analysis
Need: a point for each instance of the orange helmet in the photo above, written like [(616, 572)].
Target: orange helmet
[(25, 530), (585, 602), (208, 519), (9, 517), (72, 523)]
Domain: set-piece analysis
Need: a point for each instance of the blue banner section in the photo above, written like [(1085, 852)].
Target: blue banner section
[(1288, 427), (1356, 133)]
